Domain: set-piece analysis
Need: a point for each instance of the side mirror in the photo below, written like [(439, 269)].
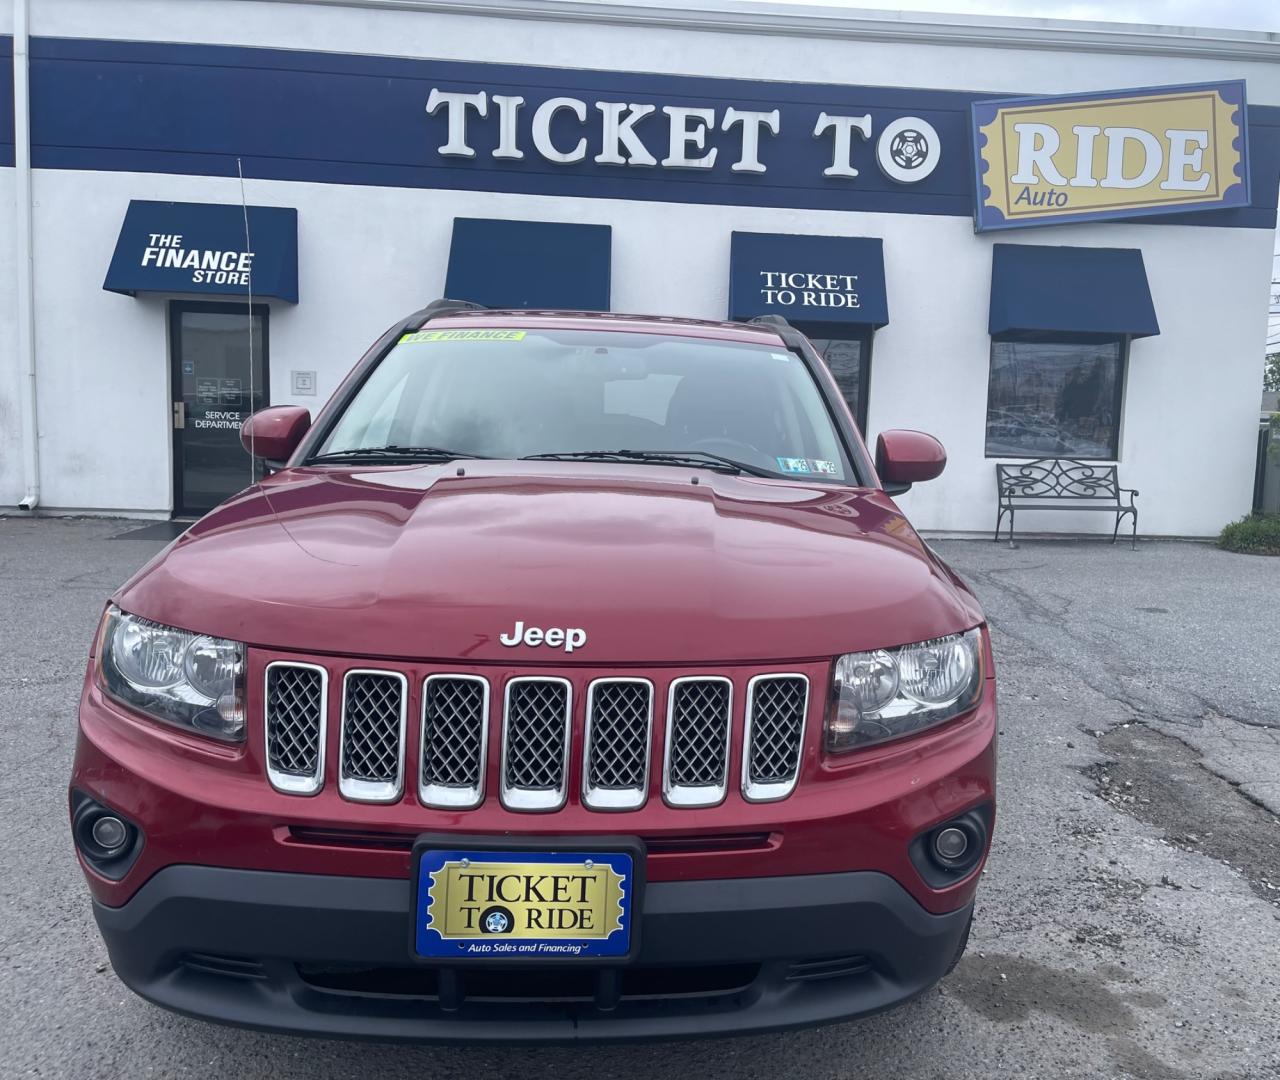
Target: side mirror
[(273, 434), (904, 458)]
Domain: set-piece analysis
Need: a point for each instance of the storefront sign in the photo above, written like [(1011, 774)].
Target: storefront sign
[(201, 248), (907, 149), (829, 279), (572, 132), (1090, 157), (569, 132)]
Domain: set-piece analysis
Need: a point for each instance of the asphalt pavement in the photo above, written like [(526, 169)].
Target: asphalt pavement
[(1128, 923)]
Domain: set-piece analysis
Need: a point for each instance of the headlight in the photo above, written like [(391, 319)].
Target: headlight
[(888, 693), (191, 680)]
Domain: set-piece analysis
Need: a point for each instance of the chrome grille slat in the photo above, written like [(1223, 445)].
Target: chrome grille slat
[(371, 761), (535, 743), (696, 766), (615, 767), (455, 736), (776, 708), (296, 706)]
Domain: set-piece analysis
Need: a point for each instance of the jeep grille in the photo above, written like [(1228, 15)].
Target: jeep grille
[(618, 733), (373, 723), (455, 726), (776, 705), (296, 697), (533, 736), (697, 765), (535, 744)]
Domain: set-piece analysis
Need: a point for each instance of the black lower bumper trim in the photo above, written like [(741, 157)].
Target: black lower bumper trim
[(318, 955)]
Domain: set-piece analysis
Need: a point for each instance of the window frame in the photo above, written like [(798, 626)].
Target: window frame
[(865, 335), (1121, 380)]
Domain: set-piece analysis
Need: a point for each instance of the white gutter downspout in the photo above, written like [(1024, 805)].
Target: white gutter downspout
[(26, 305)]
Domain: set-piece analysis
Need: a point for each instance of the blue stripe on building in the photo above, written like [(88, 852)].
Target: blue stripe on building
[(6, 101), (346, 119)]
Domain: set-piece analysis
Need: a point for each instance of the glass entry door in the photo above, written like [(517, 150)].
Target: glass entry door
[(218, 353)]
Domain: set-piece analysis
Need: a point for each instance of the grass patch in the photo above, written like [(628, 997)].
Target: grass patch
[(1252, 535)]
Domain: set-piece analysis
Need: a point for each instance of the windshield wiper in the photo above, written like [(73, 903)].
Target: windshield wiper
[(688, 458), (390, 454)]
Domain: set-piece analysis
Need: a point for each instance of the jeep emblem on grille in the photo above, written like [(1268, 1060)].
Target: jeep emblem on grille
[(567, 638)]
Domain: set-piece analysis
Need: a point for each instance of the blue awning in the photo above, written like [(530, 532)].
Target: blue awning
[(200, 248), (529, 264), (1069, 290), (828, 279)]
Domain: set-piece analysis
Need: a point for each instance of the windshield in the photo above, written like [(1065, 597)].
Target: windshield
[(520, 393)]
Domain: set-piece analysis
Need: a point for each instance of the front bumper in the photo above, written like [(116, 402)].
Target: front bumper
[(328, 956)]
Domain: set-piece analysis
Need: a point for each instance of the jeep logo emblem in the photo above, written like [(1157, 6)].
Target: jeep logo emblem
[(555, 636)]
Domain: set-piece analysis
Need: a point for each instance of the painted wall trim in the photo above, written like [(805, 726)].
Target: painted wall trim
[(885, 26), (23, 270)]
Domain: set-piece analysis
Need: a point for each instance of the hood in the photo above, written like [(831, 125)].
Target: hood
[(655, 564)]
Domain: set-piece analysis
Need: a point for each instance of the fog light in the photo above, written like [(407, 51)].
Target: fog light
[(107, 840), (952, 850), (951, 843), (110, 834)]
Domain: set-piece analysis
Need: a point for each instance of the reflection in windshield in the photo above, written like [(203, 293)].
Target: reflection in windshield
[(521, 393)]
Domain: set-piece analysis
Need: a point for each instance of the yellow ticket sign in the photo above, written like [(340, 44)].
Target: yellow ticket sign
[(512, 904), (1126, 153)]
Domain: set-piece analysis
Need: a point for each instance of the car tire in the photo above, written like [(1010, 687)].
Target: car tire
[(964, 941)]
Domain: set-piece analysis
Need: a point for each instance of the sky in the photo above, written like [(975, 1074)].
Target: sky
[(1227, 14)]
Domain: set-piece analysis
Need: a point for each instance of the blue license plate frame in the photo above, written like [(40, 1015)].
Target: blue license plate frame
[(615, 865)]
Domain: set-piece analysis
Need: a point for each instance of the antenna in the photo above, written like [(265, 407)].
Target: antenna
[(253, 458), (244, 207)]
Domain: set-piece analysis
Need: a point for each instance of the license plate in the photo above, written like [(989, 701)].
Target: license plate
[(523, 905)]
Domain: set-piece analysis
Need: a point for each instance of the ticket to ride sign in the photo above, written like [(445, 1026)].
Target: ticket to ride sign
[(513, 905), (1119, 154)]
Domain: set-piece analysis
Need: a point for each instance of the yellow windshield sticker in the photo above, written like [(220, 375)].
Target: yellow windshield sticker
[(462, 335)]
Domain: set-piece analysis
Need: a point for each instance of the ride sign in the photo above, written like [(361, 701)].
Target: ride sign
[(1120, 154)]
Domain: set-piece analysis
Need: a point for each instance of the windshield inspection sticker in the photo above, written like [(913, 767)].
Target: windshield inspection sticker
[(794, 465), (462, 335), (806, 466)]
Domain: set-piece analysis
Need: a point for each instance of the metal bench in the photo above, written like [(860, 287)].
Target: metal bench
[(1063, 484)]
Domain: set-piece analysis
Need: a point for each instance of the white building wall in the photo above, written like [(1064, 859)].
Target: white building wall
[(11, 482), (370, 255)]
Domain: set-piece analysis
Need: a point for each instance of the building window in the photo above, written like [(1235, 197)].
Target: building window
[(847, 352), (1055, 398)]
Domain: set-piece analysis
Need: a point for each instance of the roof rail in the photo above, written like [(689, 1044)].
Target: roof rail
[(791, 337), (443, 306)]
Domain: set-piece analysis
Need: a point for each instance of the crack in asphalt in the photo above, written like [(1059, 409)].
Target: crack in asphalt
[(1102, 658)]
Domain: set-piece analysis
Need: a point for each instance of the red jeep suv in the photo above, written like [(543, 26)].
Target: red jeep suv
[(573, 676)]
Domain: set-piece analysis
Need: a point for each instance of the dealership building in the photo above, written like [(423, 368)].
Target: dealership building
[(1032, 239)]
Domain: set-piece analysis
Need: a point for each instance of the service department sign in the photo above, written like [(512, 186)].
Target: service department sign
[(1120, 154)]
